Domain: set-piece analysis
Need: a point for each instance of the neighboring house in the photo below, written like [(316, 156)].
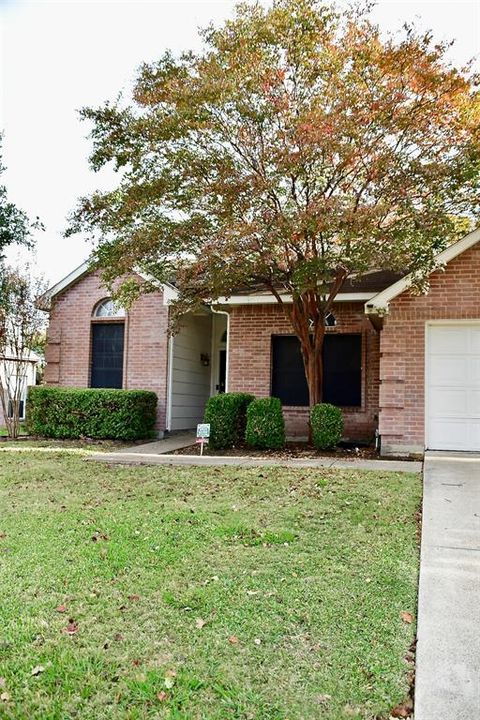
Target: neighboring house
[(406, 366), (8, 372)]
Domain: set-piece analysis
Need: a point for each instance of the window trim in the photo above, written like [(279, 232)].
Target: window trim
[(107, 318), (349, 409)]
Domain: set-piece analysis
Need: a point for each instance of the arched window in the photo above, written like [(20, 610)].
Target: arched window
[(108, 333), (108, 308)]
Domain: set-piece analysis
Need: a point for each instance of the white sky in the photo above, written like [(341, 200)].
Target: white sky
[(60, 55)]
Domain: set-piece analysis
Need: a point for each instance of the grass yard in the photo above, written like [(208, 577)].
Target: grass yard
[(4, 433), (202, 593)]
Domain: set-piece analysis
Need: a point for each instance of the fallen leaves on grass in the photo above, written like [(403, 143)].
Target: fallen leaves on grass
[(134, 597), (71, 628), (37, 670), (99, 536), (170, 676), (233, 640), (200, 623), (407, 617), (61, 608), (5, 696), (162, 696), (403, 710)]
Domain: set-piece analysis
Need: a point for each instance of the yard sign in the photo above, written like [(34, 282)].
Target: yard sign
[(203, 433)]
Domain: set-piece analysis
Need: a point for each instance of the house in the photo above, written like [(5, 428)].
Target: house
[(8, 378), (405, 366)]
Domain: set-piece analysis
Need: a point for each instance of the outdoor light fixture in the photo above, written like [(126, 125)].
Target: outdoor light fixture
[(205, 359)]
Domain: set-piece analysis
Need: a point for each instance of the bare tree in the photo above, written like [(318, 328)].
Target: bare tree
[(21, 321)]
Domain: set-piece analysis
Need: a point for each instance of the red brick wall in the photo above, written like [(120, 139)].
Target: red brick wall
[(251, 328), (454, 294), (69, 337)]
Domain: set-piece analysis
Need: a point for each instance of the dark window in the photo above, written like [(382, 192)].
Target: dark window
[(107, 355), (288, 374), (21, 407), (342, 370)]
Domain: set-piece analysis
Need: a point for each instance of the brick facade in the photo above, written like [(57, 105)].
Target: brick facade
[(454, 294), (251, 330), (393, 360), (69, 341)]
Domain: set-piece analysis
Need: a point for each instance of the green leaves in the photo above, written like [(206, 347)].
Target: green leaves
[(299, 146), (15, 227), (296, 137)]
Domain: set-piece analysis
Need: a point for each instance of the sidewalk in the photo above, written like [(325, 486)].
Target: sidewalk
[(448, 648), (154, 453)]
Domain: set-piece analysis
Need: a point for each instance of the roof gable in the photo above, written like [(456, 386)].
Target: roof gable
[(84, 269), (378, 304)]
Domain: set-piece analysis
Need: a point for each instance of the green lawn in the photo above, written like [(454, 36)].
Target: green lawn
[(4, 433), (212, 593)]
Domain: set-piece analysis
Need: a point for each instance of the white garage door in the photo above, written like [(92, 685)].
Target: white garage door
[(453, 387)]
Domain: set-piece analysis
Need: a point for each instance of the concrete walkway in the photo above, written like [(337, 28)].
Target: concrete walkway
[(154, 453), (448, 647), (175, 441)]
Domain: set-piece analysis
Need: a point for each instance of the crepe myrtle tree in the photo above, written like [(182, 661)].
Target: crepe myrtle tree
[(299, 147), (21, 324)]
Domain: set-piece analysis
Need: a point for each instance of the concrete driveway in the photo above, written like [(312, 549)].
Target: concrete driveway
[(448, 647)]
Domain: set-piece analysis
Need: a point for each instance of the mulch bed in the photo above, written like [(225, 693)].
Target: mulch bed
[(291, 450)]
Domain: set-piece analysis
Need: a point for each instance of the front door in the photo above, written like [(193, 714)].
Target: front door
[(222, 370)]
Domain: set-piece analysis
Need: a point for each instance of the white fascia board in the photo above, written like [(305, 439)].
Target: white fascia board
[(66, 281), (170, 293), (269, 299), (380, 302), (84, 269)]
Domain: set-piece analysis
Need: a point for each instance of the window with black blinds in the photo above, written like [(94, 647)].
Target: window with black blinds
[(107, 355), (342, 370)]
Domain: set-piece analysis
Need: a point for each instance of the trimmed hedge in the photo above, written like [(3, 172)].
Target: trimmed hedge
[(95, 413), (327, 425), (226, 414), (265, 424)]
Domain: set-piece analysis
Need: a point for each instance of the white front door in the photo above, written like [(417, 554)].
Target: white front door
[(453, 386)]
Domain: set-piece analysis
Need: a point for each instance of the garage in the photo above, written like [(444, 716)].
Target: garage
[(453, 386)]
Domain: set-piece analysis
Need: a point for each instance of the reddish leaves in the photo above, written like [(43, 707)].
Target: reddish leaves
[(404, 710), (407, 617), (72, 627)]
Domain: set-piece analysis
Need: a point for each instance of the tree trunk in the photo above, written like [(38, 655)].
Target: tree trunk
[(308, 322)]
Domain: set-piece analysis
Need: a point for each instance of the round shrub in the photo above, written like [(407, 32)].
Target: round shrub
[(226, 414), (265, 424), (327, 425)]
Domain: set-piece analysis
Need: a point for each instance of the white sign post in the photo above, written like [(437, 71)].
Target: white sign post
[(203, 433)]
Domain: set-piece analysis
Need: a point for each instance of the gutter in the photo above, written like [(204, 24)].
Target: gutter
[(227, 369)]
